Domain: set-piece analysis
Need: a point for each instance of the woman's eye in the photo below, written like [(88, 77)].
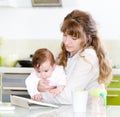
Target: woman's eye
[(73, 38)]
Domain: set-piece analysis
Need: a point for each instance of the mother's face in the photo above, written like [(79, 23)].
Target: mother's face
[(72, 44)]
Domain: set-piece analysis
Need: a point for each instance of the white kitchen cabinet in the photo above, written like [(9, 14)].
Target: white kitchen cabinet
[(12, 82)]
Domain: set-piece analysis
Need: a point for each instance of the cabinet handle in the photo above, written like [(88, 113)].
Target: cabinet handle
[(112, 95), (114, 80)]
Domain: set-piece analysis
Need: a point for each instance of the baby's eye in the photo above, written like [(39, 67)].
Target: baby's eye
[(38, 71), (46, 70)]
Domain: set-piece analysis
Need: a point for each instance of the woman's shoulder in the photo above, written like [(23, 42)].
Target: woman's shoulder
[(90, 55), (89, 52)]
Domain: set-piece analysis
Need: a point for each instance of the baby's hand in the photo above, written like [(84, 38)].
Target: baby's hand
[(37, 97)]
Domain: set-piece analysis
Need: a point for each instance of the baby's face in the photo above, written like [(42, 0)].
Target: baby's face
[(45, 70)]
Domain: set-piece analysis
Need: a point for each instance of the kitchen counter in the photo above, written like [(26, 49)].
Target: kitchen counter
[(62, 111), (29, 70), (16, 69)]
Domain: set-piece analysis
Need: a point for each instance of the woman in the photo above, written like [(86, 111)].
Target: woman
[(82, 56)]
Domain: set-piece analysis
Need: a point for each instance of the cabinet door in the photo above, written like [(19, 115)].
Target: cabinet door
[(113, 91), (113, 98), (13, 84), (115, 82)]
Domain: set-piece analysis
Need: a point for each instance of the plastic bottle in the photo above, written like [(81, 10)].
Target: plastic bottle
[(99, 100)]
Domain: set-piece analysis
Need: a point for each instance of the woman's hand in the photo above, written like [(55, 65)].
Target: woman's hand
[(43, 86)]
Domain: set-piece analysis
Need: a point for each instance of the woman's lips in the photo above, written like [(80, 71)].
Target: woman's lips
[(68, 46)]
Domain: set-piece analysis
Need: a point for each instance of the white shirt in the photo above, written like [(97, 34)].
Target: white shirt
[(82, 74), (57, 78)]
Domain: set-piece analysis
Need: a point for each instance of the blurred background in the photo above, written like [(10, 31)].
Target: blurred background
[(25, 27)]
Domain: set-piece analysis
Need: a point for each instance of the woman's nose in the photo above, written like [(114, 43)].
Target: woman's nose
[(66, 40)]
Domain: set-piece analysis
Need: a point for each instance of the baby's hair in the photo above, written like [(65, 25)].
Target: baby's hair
[(42, 55)]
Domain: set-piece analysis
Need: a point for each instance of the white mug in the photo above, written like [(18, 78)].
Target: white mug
[(80, 98)]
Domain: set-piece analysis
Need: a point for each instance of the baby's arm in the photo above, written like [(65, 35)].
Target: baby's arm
[(56, 91)]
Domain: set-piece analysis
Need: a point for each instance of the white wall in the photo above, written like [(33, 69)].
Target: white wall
[(44, 23), (25, 23), (106, 13), (30, 23), (28, 3)]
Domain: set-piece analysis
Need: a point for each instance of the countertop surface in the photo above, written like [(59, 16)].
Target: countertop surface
[(62, 111), (16, 69), (29, 70)]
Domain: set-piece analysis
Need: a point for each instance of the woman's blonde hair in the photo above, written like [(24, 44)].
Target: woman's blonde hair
[(81, 25)]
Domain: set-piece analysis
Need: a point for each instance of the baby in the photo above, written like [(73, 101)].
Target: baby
[(46, 71)]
